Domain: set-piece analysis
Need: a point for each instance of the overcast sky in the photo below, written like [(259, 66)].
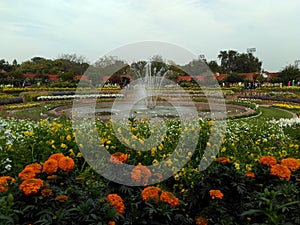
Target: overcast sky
[(49, 28)]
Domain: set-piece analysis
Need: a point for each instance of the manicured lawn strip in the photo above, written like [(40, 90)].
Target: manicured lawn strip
[(273, 113)]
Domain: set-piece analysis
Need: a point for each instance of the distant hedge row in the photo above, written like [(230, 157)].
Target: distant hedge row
[(4, 101)]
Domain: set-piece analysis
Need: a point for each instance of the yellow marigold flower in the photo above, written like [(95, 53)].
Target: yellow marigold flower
[(216, 194), (291, 163), (27, 173), (160, 147), (281, 171), (50, 166), (68, 137), (28, 133), (31, 186), (61, 198), (237, 166), (4, 182), (51, 142), (64, 146), (117, 202), (66, 164), (268, 160), (169, 198), (79, 155)]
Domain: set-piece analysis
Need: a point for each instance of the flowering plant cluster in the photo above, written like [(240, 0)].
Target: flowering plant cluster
[(45, 179)]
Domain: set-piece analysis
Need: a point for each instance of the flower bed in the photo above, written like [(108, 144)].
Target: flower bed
[(263, 97), (45, 180), (70, 96)]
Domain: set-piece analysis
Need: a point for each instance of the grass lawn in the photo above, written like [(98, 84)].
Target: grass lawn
[(274, 113)]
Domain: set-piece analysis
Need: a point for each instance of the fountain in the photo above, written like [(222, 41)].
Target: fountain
[(151, 84)]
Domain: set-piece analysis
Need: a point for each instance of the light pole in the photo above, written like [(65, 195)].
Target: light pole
[(251, 50), (202, 57)]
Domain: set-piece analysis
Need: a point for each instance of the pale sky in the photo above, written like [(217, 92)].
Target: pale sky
[(91, 28)]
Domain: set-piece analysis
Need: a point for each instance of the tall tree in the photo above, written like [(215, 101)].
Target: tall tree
[(289, 73), (232, 61)]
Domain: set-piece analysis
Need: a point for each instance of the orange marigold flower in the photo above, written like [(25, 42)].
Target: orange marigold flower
[(140, 174), (117, 202), (111, 223), (169, 198), (118, 158), (50, 166), (201, 221), (150, 193), (46, 192), (268, 160), (291, 163), (281, 171), (216, 194), (31, 186), (36, 167), (222, 159), (61, 198), (66, 164), (4, 182), (56, 156), (250, 174), (27, 173)]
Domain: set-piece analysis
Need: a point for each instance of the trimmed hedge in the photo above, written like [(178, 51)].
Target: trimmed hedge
[(4, 101)]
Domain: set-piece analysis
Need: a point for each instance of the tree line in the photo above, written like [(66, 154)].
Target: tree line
[(67, 66)]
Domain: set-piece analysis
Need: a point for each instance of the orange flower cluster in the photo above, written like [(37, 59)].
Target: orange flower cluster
[(150, 193), (222, 159), (281, 171), (268, 160), (117, 202), (56, 156), (201, 221), (66, 164), (4, 182), (291, 163), (27, 173), (250, 174), (61, 198), (140, 174), (31, 186), (118, 158), (36, 167), (46, 192), (111, 223), (50, 166), (169, 198), (216, 194), (58, 161)]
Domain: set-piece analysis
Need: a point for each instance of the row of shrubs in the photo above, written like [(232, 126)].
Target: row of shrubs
[(262, 97)]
